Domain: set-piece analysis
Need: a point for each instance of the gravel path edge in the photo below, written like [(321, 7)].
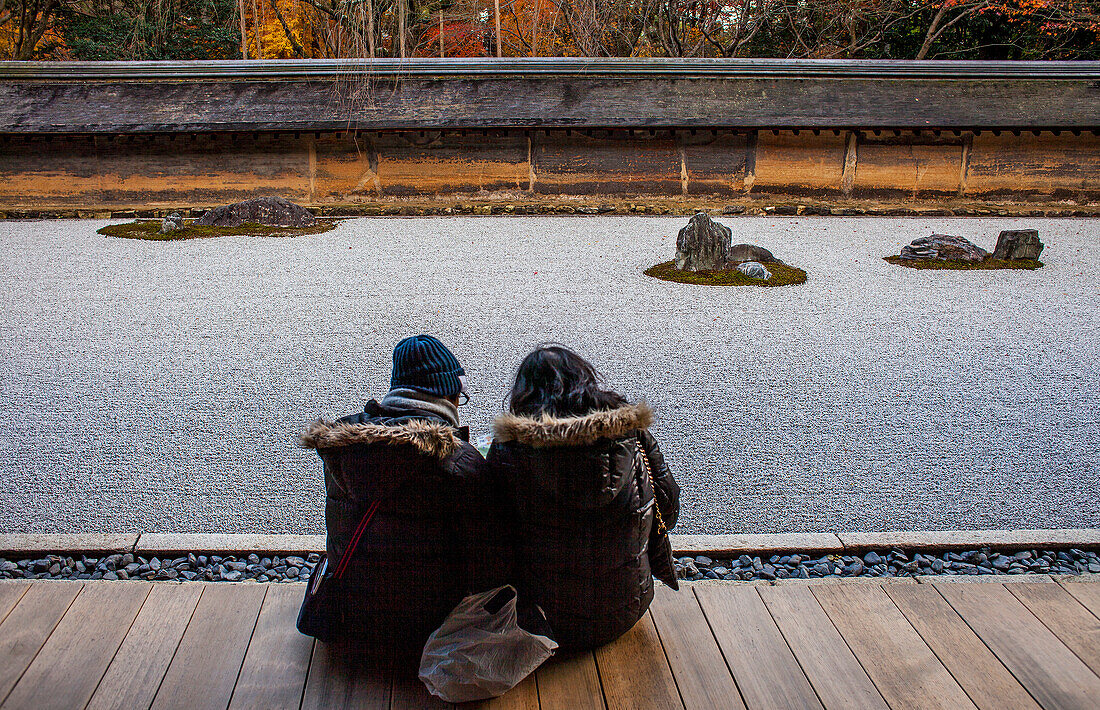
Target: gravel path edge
[(27, 544)]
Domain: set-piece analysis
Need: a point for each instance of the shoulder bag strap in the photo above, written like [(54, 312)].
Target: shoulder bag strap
[(661, 529), (364, 523)]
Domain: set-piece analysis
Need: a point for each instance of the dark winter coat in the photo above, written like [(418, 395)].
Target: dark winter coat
[(434, 538), (580, 521)]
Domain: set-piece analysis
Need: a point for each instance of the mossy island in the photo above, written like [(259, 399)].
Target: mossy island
[(781, 275), (259, 217), (1016, 249), (949, 265), (706, 256), (151, 230)]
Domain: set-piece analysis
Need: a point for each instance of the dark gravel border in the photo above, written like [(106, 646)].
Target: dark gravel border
[(296, 568), (890, 563), (188, 568)]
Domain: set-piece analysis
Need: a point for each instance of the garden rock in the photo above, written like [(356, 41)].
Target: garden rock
[(943, 247), (703, 245), (751, 252), (754, 270), (270, 211), (171, 223), (1018, 244)]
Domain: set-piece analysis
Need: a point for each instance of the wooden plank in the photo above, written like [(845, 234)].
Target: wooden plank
[(1065, 616), (697, 665), (28, 626), (409, 693), (762, 664), (825, 658), (572, 101), (277, 662), (10, 594), (570, 683), (1088, 593), (1051, 672), (71, 663), (898, 661), (524, 696), (132, 679), (977, 670), (209, 657), (341, 676), (634, 671)]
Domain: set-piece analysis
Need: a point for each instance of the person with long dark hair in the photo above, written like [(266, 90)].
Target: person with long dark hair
[(584, 483)]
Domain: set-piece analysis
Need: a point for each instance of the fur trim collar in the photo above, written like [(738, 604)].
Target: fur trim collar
[(430, 438), (573, 431)]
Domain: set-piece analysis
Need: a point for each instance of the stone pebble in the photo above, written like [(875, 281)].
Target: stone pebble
[(271, 567)]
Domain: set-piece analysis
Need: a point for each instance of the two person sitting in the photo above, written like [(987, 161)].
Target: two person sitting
[(562, 508)]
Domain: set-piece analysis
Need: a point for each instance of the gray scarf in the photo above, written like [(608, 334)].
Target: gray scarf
[(405, 398)]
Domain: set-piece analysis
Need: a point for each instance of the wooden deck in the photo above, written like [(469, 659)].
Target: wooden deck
[(712, 645)]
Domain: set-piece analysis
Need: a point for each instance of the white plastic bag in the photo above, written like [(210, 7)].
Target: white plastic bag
[(480, 651)]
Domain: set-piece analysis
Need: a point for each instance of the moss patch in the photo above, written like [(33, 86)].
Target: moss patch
[(986, 265), (150, 229), (782, 275)]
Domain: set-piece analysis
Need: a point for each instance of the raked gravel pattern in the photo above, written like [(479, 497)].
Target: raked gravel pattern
[(158, 386)]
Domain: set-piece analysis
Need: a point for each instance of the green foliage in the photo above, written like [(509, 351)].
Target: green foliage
[(191, 29), (782, 275)]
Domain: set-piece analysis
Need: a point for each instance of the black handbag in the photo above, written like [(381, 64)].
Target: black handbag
[(660, 546), (321, 615)]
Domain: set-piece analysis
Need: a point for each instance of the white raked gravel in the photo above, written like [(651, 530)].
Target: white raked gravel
[(157, 386)]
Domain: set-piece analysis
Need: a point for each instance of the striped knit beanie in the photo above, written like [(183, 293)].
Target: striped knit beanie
[(423, 363)]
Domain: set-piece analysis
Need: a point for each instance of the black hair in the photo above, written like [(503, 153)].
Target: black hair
[(556, 381)]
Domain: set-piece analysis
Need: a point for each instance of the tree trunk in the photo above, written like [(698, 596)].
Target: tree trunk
[(244, 31), (370, 28), (535, 30), (401, 26), (930, 36), (256, 30), (496, 4)]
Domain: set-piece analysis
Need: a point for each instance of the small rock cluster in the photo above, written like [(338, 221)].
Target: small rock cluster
[(1012, 245), (706, 245), (188, 568), (892, 563)]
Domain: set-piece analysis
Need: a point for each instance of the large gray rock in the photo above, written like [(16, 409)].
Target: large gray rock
[(943, 247), (1018, 244), (270, 211), (751, 252), (703, 245)]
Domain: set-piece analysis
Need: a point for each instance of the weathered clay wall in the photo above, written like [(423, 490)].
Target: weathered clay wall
[(331, 168)]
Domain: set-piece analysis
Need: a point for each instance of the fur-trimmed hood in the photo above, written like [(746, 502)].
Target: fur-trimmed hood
[(433, 439), (573, 431)]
